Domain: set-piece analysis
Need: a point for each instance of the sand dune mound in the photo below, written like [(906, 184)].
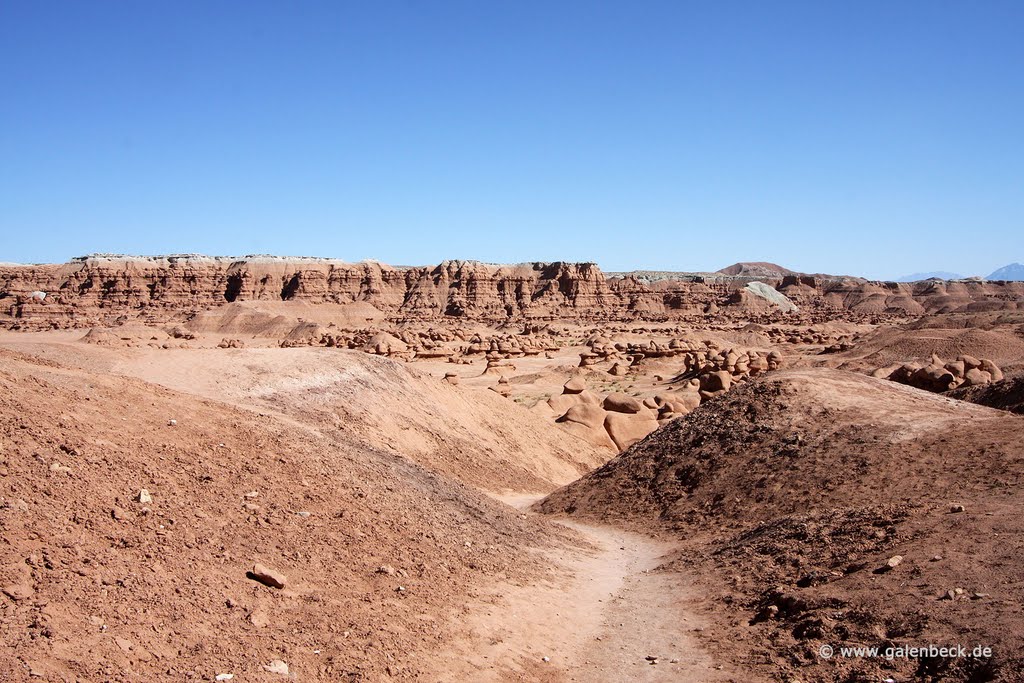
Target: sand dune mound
[(470, 434), (103, 337), (131, 518), (795, 490)]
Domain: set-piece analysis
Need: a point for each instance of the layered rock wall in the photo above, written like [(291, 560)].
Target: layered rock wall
[(105, 289)]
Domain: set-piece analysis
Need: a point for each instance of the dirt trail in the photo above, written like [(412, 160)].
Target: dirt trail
[(598, 619)]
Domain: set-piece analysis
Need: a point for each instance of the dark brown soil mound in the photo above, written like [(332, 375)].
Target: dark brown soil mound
[(889, 345), (1005, 395), (793, 492)]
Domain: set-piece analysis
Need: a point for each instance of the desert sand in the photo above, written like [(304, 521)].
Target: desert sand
[(264, 469)]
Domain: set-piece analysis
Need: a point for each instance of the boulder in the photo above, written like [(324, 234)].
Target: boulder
[(584, 414), (560, 404), (976, 378), (267, 576), (991, 368), (625, 430), (933, 377), (715, 381), (969, 362), (622, 403)]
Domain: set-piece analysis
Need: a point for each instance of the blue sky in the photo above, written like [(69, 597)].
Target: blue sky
[(873, 138)]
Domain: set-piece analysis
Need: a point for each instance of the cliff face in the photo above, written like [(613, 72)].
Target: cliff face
[(104, 290)]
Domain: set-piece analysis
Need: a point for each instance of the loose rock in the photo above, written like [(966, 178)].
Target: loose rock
[(267, 576)]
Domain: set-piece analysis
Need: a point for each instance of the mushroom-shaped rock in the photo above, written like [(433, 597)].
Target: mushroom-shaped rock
[(574, 386), (617, 370)]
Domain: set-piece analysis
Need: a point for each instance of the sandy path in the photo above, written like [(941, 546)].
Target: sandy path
[(598, 620)]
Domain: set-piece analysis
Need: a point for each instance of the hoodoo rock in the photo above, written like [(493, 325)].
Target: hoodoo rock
[(574, 386)]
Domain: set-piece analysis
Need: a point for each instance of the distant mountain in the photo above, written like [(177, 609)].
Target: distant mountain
[(756, 269), (1014, 271), (940, 274)]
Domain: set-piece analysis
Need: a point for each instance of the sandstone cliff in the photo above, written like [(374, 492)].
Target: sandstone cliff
[(107, 289)]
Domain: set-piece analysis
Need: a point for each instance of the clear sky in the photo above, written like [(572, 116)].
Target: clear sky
[(871, 138)]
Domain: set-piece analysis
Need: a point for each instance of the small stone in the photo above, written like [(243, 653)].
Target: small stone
[(125, 644), (118, 514), (267, 576), (303, 514), (18, 591), (936, 558), (979, 596), (172, 423), (230, 603), (224, 677), (277, 667), (251, 494), (144, 497), (892, 562), (386, 569), (956, 508), (251, 507), (545, 659)]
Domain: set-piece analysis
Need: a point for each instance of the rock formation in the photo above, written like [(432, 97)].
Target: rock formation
[(105, 290)]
